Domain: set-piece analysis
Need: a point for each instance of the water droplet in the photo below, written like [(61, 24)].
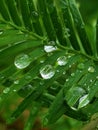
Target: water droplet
[(64, 72), (67, 80), (16, 82), (28, 77), (83, 101), (57, 71), (22, 61), (35, 14), (25, 90), (96, 77), (47, 72), (91, 69), (6, 90), (72, 74), (41, 61), (81, 66), (1, 32), (50, 47), (91, 80), (62, 60), (67, 32), (14, 90)]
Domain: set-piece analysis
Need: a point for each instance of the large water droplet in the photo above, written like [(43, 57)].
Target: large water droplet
[(22, 61), (47, 72), (83, 101), (62, 60), (91, 69), (6, 90), (50, 47), (81, 66)]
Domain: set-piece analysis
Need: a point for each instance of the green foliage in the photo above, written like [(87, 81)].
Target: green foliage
[(49, 57)]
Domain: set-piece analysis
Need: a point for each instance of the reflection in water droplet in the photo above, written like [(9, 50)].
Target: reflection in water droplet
[(50, 47), (47, 72), (62, 60), (22, 61), (91, 69), (81, 66), (6, 90), (83, 101)]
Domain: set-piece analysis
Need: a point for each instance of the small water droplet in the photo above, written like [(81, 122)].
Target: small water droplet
[(64, 72), (69, 66), (57, 71), (22, 61), (35, 14), (83, 101), (91, 80), (67, 80), (1, 32), (16, 82), (50, 47), (41, 61), (41, 83), (72, 74), (47, 72), (81, 66), (67, 32), (6, 90), (91, 69), (14, 90), (28, 77), (62, 60), (96, 77)]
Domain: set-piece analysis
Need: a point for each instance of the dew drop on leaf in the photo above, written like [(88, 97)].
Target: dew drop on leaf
[(1, 32), (6, 90), (22, 61), (91, 69), (35, 14), (81, 66), (50, 47), (47, 72), (83, 101), (62, 60), (16, 82), (72, 74)]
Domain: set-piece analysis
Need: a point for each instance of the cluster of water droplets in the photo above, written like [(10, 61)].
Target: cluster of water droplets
[(22, 61)]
